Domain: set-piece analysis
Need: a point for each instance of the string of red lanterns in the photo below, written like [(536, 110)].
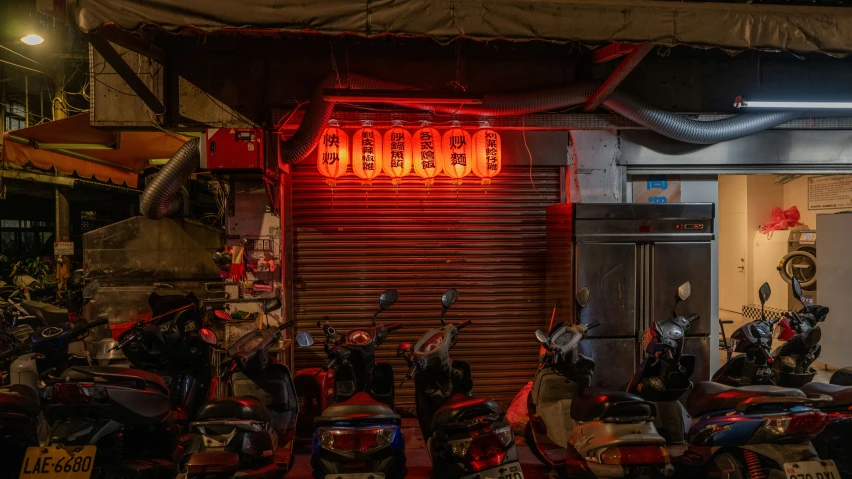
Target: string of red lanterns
[(455, 153)]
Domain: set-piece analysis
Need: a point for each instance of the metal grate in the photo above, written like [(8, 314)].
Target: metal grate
[(352, 245)]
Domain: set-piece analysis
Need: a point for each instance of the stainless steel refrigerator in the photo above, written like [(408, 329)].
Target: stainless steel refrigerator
[(632, 257)]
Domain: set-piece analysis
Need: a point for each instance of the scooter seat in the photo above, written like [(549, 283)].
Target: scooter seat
[(242, 407), (359, 405), (461, 407), (708, 396), (115, 373), (842, 395), (590, 404), (46, 313), (19, 398)]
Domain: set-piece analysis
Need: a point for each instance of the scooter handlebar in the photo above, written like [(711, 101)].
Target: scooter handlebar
[(97, 322), (393, 327), (593, 325), (463, 324), (286, 325)]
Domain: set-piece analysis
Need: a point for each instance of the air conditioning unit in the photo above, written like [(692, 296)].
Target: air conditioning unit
[(232, 149)]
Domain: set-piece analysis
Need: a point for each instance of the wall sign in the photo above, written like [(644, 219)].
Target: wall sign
[(63, 248), (656, 189), (829, 192)]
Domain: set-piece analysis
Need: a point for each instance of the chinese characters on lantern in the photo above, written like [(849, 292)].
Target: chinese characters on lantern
[(456, 154)]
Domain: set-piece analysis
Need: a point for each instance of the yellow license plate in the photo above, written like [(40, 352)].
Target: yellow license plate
[(57, 462)]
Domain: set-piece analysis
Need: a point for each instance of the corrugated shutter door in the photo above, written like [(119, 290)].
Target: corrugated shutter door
[(349, 249)]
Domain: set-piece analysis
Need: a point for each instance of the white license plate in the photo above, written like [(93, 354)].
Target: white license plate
[(811, 470), (362, 475), (506, 471)]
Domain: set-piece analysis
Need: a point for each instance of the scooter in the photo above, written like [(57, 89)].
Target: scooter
[(465, 436), (581, 431), (174, 345), (794, 359), (754, 341), (352, 368), (102, 422), (754, 431), (248, 435), (664, 375), (360, 434)]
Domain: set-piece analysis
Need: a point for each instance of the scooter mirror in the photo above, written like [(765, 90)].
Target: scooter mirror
[(684, 291), (583, 297), (208, 336), (402, 349), (387, 299), (764, 292), (91, 290), (797, 289), (541, 337), (304, 339), (271, 305), (449, 297)]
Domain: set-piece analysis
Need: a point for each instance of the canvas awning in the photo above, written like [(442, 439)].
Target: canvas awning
[(730, 26), (72, 146)]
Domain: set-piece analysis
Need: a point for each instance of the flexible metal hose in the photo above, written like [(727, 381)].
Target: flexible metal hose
[(161, 198)]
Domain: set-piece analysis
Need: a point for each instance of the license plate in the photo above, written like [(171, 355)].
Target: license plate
[(57, 462), (811, 470), (506, 471), (362, 475)]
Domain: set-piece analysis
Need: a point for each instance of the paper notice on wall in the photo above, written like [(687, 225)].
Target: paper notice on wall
[(829, 192), (63, 248), (656, 189)]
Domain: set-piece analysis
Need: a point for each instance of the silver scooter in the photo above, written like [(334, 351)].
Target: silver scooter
[(582, 431)]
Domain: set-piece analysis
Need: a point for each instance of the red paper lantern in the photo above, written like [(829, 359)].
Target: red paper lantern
[(487, 160), (428, 162), (397, 154), (333, 153), (367, 154), (458, 158)]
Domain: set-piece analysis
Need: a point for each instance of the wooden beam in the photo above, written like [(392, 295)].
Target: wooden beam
[(126, 73), (612, 51), (133, 43), (618, 75)]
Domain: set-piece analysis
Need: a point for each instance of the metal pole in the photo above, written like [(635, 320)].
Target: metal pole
[(27, 100)]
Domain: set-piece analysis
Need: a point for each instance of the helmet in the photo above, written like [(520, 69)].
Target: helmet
[(77, 280), (222, 258)]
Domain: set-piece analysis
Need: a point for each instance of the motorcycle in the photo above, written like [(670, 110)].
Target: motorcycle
[(754, 341), (581, 431), (103, 422), (250, 434), (754, 431), (800, 330), (664, 375), (360, 434), (20, 408), (465, 436), (174, 345)]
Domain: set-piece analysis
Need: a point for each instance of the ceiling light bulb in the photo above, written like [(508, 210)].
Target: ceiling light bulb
[(33, 39)]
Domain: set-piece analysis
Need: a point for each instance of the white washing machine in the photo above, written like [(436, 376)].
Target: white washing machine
[(768, 254), (800, 261)]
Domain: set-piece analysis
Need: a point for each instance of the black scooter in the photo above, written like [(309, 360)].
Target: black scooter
[(249, 435), (466, 436), (664, 375), (754, 341)]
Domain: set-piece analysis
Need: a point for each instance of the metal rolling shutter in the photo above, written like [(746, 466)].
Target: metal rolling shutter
[(492, 251)]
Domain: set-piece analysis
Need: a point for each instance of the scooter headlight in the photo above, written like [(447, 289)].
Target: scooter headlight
[(460, 447), (505, 435)]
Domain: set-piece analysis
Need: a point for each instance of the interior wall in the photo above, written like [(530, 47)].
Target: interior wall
[(796, 194), (763, 195), (733, 241)]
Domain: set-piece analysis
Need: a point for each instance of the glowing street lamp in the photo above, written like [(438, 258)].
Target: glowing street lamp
[(32, 39)]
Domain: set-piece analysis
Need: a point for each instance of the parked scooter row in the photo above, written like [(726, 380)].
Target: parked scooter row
[(754, 431), (361, 437), (67, 419)]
